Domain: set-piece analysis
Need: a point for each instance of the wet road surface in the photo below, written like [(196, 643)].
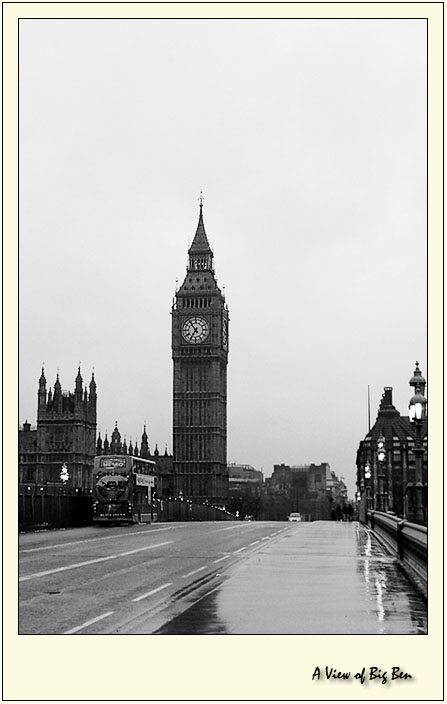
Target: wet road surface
[(107, 580), (316, 578)]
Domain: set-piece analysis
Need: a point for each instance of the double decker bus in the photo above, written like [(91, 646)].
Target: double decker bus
[(123, 489)]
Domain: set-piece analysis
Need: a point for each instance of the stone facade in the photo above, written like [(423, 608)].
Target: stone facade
[(65, 434), (200, 356), (389, 486)]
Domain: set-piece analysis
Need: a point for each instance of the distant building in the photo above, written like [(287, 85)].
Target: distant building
[(65, 435), (312, 490), (245, 478), (322, 481), (285, 477)]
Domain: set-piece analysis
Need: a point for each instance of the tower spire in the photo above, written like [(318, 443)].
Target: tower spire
[(78, 385), (200, 242), (92, 388), (57, 385), (200, 253), (42, 393)]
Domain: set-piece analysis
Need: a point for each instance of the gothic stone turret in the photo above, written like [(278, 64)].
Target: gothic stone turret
[(66, 432)]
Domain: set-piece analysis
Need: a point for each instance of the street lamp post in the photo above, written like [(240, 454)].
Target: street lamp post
[(361, 497), (368, 485), (64, 474), (417, 408), (381, 454)]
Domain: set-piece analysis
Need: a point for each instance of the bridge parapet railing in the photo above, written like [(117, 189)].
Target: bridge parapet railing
[(406, 541)]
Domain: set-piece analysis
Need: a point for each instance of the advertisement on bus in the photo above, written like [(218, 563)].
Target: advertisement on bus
[(112, 479), (122, 488)]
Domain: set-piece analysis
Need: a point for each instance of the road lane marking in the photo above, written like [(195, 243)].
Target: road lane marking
[(239, 525), (255, 542), (154, 591), (267, 537), (225, 557), (240, 550), (194, 572), (88, 623), (90, 562), (106, 537)]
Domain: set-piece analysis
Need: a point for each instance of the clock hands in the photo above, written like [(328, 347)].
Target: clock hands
[(195, 330)]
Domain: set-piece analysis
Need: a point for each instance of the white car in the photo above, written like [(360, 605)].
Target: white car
[(294, 517)]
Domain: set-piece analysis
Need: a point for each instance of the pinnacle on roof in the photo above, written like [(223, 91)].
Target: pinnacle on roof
[(78, 381), (200, 244), (116, 433), (93, 383)]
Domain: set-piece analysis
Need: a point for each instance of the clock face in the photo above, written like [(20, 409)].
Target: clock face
[(195, 330)]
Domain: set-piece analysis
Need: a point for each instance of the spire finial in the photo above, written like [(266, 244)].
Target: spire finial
[(201, 199)]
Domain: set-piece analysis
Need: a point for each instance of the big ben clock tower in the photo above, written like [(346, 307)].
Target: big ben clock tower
[(200, 355)]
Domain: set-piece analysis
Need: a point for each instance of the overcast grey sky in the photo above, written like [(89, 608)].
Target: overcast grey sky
[(308, 139)]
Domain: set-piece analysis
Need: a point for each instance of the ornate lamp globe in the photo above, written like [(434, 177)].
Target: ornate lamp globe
[(381, 448), (417, 406)]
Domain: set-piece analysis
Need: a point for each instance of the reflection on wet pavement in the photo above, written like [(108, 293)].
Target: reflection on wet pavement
[(317, 578), (391, 591)]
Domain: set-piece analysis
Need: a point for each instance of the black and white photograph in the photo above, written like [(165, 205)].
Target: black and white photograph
[(223, 330)]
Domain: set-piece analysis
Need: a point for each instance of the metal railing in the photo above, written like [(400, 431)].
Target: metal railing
[(406, 541)]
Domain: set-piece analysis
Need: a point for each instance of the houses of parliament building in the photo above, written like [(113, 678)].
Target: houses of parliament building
[(67, 421)]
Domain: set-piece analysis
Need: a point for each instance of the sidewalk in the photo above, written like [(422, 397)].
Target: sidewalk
[(317, 578)]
